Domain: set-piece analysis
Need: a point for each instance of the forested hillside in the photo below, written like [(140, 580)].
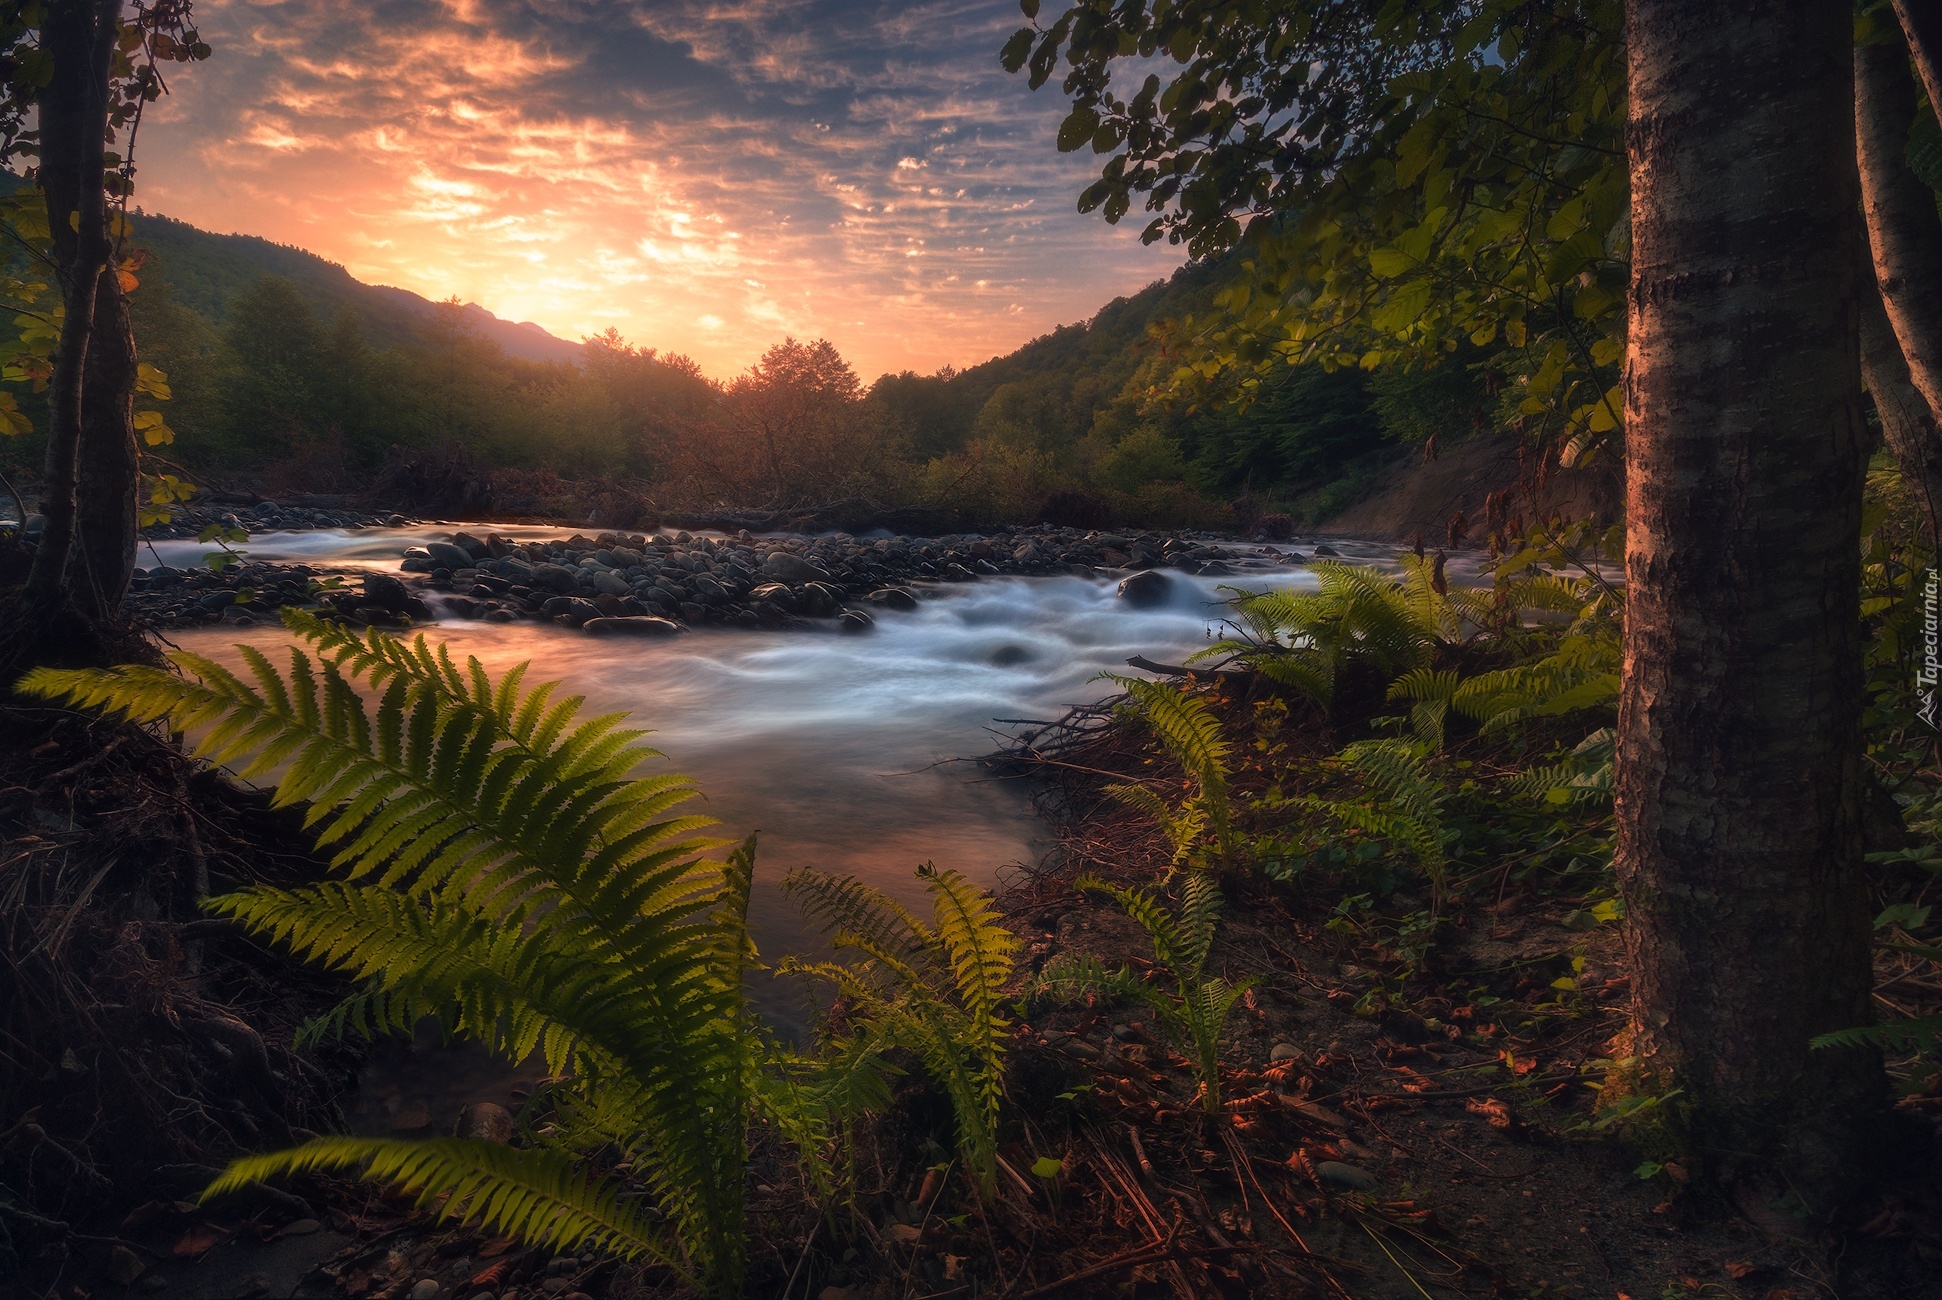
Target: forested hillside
[(289, 376)]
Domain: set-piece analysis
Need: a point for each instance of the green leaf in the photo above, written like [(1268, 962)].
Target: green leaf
[(1048, 1166), (1077, 129)]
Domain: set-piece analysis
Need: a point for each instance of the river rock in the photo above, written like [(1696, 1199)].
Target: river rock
[(784, 567), (386, 592), (893, 598), (1337, 1174), (1327, 552), (1146, 589), (611, 583), (448, 555), (777, 594), (855, 620), (554, 577), (631, 625), (426, 1288)]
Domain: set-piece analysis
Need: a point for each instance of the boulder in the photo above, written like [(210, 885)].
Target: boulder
[(386, 592), (554, 577), (1146, 589), (448, 555), (784, 567), (610, 583), (631, 625), (1327, 552), (893, 598), (855, 620), (777, 594)]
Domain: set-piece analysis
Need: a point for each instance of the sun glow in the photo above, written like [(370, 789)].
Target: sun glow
[(704, 178)]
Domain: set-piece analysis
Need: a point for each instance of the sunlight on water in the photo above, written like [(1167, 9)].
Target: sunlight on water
[(838, 749)]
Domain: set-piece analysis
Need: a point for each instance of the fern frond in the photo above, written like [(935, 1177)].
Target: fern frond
[(1896, 1033), (543, 1197)]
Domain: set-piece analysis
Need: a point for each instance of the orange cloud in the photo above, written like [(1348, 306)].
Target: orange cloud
[(705, 177)]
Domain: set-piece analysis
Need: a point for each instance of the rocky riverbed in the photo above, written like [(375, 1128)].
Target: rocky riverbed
[(634, 584)]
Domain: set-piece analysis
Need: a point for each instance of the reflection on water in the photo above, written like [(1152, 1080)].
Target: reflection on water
[(835, 748)]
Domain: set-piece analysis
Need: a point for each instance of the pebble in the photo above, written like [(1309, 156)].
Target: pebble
[(1337, 1174), (301, 1228), (426, 1288), (1283, 1052)]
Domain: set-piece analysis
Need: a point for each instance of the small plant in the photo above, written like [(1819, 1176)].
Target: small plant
[(1895, 929), (1407, 804), (935, 989), (1196, 1010), (1190, 731), (508, 876), (1357, 615)]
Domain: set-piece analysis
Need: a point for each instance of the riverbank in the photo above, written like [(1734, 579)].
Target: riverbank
[(660, 584)]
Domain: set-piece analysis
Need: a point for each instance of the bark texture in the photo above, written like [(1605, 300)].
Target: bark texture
[(1904, 231), (110, 459), (1739, 792), (78, 36), (1922, 23), (1908, 424)]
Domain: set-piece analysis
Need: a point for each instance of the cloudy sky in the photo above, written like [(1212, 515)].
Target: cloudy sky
[(706, 176)]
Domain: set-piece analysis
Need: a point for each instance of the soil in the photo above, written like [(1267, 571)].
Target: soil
[(1418, 496), (142, 1045)]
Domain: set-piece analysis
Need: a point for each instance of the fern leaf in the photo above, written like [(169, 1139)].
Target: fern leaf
[(543, 1197)]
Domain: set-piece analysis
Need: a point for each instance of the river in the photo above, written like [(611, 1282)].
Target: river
[(840, 750)]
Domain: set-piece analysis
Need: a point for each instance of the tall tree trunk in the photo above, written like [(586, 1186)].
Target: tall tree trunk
[(78, 37), (1908, 425), (1739, 749), (1903, 229), (1922, 24), (109, 457)]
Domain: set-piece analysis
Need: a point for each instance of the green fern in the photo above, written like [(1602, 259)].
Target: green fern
[(1356, 614), (507, 875), (1190, 731), (1407, 808), (1579, 671), (1586, 774), (1195, 1012), (936, 989), (1896, 1033)]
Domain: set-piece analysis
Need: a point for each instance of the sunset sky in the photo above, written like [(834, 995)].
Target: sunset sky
[(706, 176)]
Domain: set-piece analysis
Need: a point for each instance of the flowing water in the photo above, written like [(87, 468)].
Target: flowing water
[(840, 750)]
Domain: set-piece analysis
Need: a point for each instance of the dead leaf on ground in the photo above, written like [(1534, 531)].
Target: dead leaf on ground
[(199, 1240)]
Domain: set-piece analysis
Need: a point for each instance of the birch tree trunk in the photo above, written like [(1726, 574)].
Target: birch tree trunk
[(1904, 231)]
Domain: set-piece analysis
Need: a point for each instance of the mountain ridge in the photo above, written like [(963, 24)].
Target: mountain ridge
[(205, 270)]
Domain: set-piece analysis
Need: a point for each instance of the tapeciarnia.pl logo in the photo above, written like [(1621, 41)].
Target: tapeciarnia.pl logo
[(1930, 671)]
